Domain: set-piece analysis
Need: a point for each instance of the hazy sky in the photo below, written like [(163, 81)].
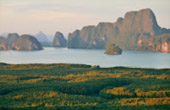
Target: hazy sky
[(49, 16)]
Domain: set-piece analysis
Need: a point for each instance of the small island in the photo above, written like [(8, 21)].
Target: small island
[(59, 40), (112, 49)]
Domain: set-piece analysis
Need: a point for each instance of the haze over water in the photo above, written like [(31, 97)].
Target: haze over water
[(128, 58)]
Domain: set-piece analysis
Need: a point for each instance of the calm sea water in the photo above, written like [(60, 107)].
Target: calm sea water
[(128, 58)]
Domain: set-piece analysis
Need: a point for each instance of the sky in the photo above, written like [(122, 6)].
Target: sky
[(49, 16)]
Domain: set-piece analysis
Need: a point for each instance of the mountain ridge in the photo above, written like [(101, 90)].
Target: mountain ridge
[(131, 32)]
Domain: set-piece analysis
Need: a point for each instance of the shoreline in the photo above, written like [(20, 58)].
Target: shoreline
[(76, 64)]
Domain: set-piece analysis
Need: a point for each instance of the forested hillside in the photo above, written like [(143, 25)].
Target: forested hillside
[(83, 87)]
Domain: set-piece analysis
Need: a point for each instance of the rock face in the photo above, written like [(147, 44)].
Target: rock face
[(8, 43), (27, 43), (138, 30), (12, 37), (59, 40), (112, 49), (41, 37), (3, 43), (20, 43)]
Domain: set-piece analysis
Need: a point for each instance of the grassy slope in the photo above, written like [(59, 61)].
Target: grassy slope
[(75, 87)]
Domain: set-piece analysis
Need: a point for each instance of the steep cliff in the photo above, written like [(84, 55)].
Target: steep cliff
[(20, 43), (12, 37), (27, 43), (59, 40), (134, 31), (3, 43)]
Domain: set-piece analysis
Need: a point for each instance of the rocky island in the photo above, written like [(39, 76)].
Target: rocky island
[(20, 43), (59, 40), (138, 30), (112, 49)]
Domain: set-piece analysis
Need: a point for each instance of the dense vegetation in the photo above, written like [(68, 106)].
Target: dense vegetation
[(83, 87)]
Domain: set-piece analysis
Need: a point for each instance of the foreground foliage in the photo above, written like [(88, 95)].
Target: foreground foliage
[(83, 87)]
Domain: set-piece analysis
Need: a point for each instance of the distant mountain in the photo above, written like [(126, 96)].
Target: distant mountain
[(59, 40), (20, 43), (50, 37), (138, 30), (5, 35), (41, 37)]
